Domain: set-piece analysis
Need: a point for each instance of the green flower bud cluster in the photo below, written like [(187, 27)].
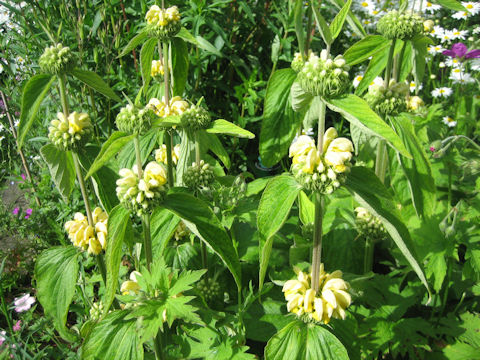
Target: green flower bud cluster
[(324, 76), (181, 231), (57, 59), (96, 310), (198, 176), (390, 100), (400, 25), (307, 231), (195, 118), (298, 61), (163, 24), (325, 182), (133, 120), (142, 194), (369, 225), (227, 197), (210, 290), (70, 133)]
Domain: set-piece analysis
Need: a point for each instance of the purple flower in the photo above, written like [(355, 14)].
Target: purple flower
[(2, 337), (17, 326), (28, 212), (23, 176), (23, 303), (15, 211), (459, 50)]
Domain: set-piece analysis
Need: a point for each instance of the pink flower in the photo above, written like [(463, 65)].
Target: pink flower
[(24, 303), (459, 50), (28, 212), (2, 337), (23, 177), (17, 326), (15, 211)]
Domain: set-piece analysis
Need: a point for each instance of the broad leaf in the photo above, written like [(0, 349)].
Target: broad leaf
[(352, 20), (299, 29), (322, 26), (450, 4), (94, 81), (162, 227), (299, 98), (56, 271), (280, 123), (306, 209), (60, 164), (337, 23), (134, 42), (371, 194), (202, 222), (118, 226), (421, 54), (113, 337), (126, 158), (221, 126), (180, 66), (146, 58), (357, 111), (33, 94), (301, 341), (110, 148), (185, 35), (211, 142), (365, 48)]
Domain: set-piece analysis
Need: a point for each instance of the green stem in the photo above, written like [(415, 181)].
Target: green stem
[(168, 144), (197, 149), (321, 126), (381, 160), (317, 242), (398, 67), (368, 257), (62, 80), (102, 267), (138, 155), (83, 189), (158, 345), (388, 69), (309, 33), (147, 240), (5, 310)]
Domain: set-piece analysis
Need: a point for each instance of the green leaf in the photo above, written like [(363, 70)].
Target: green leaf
[(420, 46), (94, 81), (221, 126), (211, 142), (119, 225), (407, 62), (162, 227), (113, 337), (337, 23), (437, 267), (299, 98), (306, 209), (280, 123), (56, 271), (299, 30), (370, 193), (185, 35), (60, 164), (180, 66), (133, 43), (126, 158), (365, 48), (301, 341), (32, 97), (322, 26), (273, 210), (417, 170), (146, 58), (207, 46), (450, 4), (461, 351), (352, 20), (110, 148), (202, 222), (357, 111)]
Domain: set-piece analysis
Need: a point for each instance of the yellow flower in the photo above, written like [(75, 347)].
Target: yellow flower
[(155, 174), (161, 154), (338, 153), (414, 102), (153, 14), (331, 300), (157, 68), (328, 136), (172, 14), (301, 147), (131, 285), (82, 235), (176, 106)]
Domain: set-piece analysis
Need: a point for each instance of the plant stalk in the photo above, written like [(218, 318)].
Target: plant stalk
[(168, 144), (317, 242), (62, 80), (368, 256), (381, 160), (138, 156), (147, 240), (388, 69)]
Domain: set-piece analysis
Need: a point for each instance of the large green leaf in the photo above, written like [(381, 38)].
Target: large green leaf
[(60, 164), (113, 337), (273, 210), (221, 126), (162, 227), (450, 4), (280, 123), (357, 111), (299, 28), (110, 148), (119, 225), (126, 158), (352, 20), (322, 26), (420, 46), (417, 170), (91, 79), (56, 272), (146, 58), (337, 23), (363, 49), (301, 341), (180, 65), (202, 222), (134, 42), (211, 142), (370, 193), (33, 94)]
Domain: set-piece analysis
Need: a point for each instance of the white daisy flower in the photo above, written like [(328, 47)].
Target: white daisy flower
[(413, 86), (461, 15), (357, 80), (446, 36), (428, 6), (476, 30), (442, 92), (475, 64), (454, 62), (460, 77), (447, 120), (435, 49), (459, 34), (472, 7), (437, 31)]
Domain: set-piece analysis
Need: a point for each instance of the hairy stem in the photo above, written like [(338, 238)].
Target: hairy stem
[(388, 69), (381, 160), (317, 242)]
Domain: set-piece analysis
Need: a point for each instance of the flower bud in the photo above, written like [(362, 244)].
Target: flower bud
[(195, 118), (57, 59), (198, 176), (70, 133), (163, 24), (133, 120), (400, 25)]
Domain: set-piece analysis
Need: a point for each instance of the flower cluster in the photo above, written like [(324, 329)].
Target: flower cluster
[(163, 24), (157, 69), (96, 310), (321, 171), (140, 194), (324, 76), (210, 289), (23, 303), (133, 120), (90, 238), (176, 106), (57, 59), (181, 231), (161, 154), (331, 300), (388, 100), (195, 118), (131, 285), (400, 25), (70, 133), (369, 225), (198, 176)]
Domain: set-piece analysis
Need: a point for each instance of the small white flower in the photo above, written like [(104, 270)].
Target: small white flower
[(475, 64), (460, 77), (476, 30), (442, 92), (447, 120), (461, 15), (437, 31), (446, 36), (459, 34), (16, 122), (428, 6), (413, 86), (472, 7), (23, 303), (454, 62), (357, 80), (2, 138), (435, 49)]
